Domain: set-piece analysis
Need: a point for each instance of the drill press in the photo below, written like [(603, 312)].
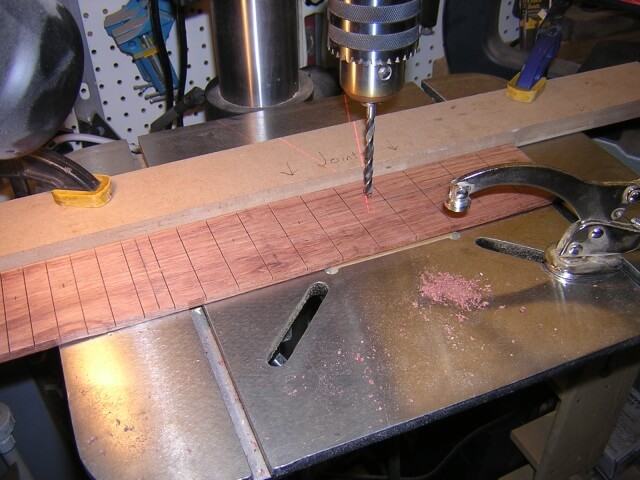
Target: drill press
[(373, 39)]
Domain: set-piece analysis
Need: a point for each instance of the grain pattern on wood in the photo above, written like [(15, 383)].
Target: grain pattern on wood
[(120, 284), (141, 281), (246, 264), (304, 231), (93, 295), (212, 270), (41, 309), (178, 272), (4, 334), (66, 299), (279, 255), (156, 277), (232, 180), (16, 309)]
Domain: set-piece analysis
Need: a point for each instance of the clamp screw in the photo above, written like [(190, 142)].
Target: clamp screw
[(632, 195), (575, 249), (597, 232), (617, 213), (384, 73)]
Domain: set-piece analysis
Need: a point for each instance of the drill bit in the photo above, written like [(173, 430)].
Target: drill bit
[(370, 129)]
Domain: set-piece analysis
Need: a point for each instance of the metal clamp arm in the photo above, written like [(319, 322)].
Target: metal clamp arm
[(595, 241), (603, 201)]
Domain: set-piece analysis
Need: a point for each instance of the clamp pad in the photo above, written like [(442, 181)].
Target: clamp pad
[(82, 198), (523, 95)]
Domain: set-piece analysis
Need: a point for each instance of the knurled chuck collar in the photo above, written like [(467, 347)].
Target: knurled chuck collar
[(7, 423), (373, 32)]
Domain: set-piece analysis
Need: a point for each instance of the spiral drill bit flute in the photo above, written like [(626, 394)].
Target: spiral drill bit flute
[(373, 39)]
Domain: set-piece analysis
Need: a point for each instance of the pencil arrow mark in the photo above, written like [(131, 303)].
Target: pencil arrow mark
[(290, 172), (391, 146)]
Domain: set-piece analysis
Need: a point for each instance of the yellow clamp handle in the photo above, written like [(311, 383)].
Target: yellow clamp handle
[(80, 198)]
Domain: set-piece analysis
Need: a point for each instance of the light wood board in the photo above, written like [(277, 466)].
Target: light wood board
[(116, 285), (35, 229)]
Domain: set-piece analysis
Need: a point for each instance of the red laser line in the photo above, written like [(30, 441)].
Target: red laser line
[(366, 203), (355, 129), (237, 132), (308, 155), (346, 108)]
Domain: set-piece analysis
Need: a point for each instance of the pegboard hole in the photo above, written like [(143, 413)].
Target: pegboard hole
[(105, 102), (123, 98), (93, 52), (126, 114), (115, 65), (89, 33), (105, 11), (143, 110), (85, 15)]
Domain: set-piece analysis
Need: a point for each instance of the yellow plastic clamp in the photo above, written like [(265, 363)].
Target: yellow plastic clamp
[(520, 94), (79, 198)]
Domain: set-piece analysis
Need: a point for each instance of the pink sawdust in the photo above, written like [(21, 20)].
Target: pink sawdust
[(453, 290)]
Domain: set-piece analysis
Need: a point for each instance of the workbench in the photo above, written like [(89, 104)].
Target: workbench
[(193, 395)]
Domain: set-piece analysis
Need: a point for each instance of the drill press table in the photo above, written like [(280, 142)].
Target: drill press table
[(377, 359)]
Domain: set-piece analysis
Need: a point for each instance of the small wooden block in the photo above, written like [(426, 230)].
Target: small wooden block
[(41, 309), (156, 277), (141, 280), (178, 272), (93, 296), (118, 283), (304, 231), (240, 253), (271, 241), (16, 311), (66, 299)]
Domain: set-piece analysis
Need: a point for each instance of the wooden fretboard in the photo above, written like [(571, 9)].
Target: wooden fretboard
[(117, 285)]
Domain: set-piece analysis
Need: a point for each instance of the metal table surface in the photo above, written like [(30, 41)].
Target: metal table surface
[(145, 405), (379, 359)]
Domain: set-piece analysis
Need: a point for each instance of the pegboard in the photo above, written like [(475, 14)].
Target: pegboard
[(508, 24), (125, 109)]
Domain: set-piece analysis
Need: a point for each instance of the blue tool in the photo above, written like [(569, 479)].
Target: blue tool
[(131, 28), (531, 80)]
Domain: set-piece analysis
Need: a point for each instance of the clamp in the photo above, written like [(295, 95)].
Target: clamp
[(592, 244), (531, 80), (131, 29), (71, 184)]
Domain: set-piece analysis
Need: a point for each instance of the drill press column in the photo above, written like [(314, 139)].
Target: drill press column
[(373, 39)]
